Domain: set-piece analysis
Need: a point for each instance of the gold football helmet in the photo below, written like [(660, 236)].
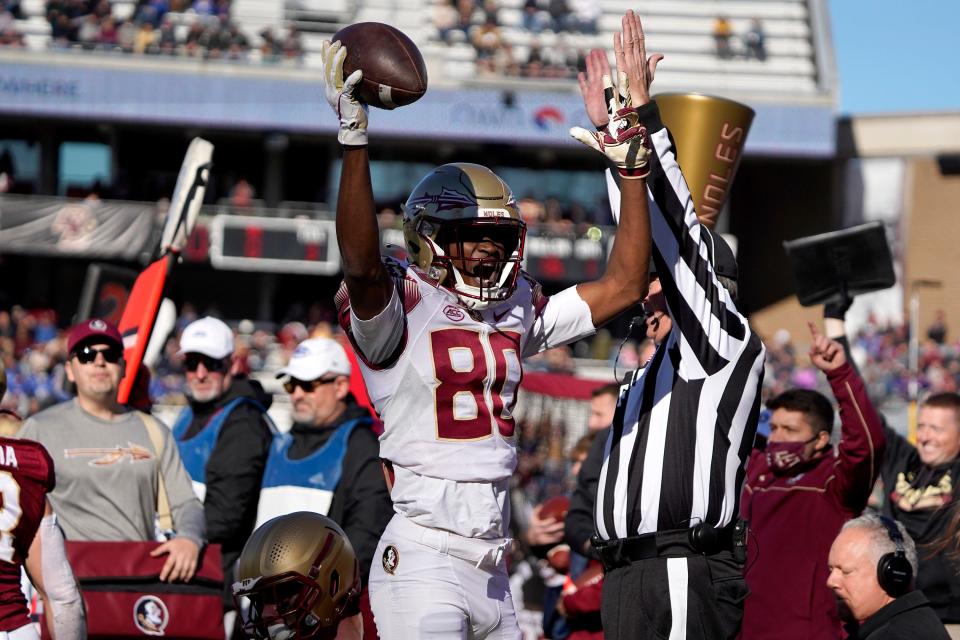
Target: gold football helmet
[(295, 577), (457, 203)]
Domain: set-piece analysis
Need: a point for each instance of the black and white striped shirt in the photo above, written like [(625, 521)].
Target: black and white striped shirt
[(685, 423)]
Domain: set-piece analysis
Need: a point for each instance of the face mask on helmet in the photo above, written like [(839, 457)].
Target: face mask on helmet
[(479, 259), (462, 227), (281, 607)]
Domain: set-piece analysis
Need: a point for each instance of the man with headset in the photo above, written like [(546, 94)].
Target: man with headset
[(872, 563)]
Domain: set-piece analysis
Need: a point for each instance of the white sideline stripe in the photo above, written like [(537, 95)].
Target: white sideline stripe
[(677, 581)]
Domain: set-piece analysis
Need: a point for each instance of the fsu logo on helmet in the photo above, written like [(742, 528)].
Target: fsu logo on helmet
[(446, 200), (150, 615)]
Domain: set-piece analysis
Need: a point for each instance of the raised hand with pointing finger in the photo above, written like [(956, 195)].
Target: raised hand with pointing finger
[(825, 354)]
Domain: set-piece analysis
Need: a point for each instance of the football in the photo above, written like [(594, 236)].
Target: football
[(394, 74), (559, 558), (556, 508)]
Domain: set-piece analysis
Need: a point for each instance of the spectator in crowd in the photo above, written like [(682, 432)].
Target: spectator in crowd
[(127, 36), (577, 600), (14, 7), (224, 437), (6, 185), (799, 479), (465, 11), (107, 36), (271, 47), (920, 486), (191, 44), (487, 41), (10, 37), (89, 32), (534, 65), (106, 462), (755, 41), (445, 19), (722, 33), (146, 39), (603, 404), (167, 39), (584, 16), (871, 565), (545, 533), (491, 11), (937, 332), (152, 11), (10, 422), (559, 12), (329, 462), (241, 196), (292, 44), (534, 18)]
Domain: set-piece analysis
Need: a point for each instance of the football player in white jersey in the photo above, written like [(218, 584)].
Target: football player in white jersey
[(441, 339)]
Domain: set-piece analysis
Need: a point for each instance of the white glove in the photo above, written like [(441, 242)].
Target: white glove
[(624, 141), (352, 113)]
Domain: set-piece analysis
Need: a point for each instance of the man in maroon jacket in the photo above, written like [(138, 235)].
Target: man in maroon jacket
[(797, 495)]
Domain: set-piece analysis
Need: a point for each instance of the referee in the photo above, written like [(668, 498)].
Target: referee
[(668, 493)]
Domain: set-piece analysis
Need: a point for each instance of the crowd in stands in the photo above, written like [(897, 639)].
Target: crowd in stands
[(10, 12), (32, 349), (190, 28), (478, 24)]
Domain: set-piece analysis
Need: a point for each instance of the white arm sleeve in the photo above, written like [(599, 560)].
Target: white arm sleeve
[(63, 595), (379, 336), (564, 319)]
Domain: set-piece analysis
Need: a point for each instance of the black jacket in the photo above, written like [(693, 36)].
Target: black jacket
[(920, 497), (909, 617), (580, 524), (361, 503), (235, 468)]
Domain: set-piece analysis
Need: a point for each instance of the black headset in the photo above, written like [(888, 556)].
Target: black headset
[(894, 571)]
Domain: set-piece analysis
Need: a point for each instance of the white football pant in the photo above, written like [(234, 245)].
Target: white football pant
[(442, 586)]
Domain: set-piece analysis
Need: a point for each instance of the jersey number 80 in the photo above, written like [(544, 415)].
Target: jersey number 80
[(460, 359)]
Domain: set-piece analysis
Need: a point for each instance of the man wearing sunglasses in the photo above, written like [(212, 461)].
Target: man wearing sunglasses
[(329, 462), (224, 436), (105, 462)]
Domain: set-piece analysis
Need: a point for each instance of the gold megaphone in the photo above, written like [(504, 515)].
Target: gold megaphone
[(709, 133)]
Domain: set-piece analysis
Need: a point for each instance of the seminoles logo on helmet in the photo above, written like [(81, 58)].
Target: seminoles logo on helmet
[(446, 200), (150, 615), (98, 325)]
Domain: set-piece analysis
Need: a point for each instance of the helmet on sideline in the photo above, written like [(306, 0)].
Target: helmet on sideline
[(295, 577), (460, 201)]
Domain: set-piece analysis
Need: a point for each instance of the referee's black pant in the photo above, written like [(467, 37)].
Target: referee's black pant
[(695, 597)]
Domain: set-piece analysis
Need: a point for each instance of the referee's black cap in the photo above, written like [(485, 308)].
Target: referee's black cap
[(721, 255)]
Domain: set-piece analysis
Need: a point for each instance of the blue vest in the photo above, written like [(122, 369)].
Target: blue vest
[(306, 484), (195, 451)]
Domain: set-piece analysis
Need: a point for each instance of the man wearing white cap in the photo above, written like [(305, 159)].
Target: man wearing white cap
[(223, 435), (331, 440)]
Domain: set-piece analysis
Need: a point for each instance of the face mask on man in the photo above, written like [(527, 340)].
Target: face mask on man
[(783, 456)]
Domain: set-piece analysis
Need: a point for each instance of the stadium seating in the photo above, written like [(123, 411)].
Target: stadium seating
[(681, 29)]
